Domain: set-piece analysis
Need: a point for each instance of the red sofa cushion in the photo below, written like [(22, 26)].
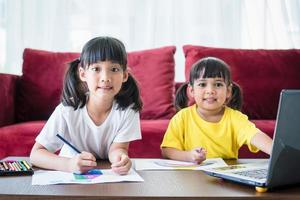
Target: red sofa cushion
[(43, 72), (41, 83), (155, 70), (8, 84), (18, 139), (152, 134), (262, 74)]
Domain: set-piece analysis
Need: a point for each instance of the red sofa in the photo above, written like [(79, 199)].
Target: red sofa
[(27, 101)]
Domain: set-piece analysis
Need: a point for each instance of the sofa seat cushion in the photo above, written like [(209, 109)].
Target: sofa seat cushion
[(152, 134), (18, 139), (262, 74), (266, 126)]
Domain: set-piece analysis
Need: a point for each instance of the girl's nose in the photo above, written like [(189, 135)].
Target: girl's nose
[(209, 89), (105, 76)]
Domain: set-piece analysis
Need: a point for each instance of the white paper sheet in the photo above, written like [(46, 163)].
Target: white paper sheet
[(165, 164), (45, 177)]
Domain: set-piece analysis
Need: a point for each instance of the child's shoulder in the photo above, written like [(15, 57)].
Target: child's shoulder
[(185, 112), (64, 109), (123, 112), (235, 113)]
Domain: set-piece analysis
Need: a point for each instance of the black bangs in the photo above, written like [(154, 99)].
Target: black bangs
[(210, 68), (104, 49)]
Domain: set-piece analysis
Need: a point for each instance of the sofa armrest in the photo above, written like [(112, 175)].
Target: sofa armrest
[(8, 83)]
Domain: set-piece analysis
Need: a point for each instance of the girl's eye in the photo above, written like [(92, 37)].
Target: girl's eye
[(202, 84), (115, 69), (95, 69), (219, 84)]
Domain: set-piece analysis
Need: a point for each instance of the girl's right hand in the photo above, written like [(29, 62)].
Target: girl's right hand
[(82, 162), (198, 155)]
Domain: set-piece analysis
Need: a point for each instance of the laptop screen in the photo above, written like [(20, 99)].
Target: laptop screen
[(284, 162)]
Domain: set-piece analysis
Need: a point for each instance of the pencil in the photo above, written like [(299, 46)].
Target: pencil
[(19, 166), (15, 166), (11, 167), (2, 167), (23, 166), (26, 164), (68, 143), (5, 165)]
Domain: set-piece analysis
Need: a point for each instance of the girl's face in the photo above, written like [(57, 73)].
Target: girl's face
[(104, 79), (210, 94)]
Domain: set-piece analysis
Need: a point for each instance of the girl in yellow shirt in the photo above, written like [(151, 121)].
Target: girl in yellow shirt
[(213, 126)]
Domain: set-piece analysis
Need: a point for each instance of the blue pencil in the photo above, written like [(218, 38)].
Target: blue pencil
[(68, 143)]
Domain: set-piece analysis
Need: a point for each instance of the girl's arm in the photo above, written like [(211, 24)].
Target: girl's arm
[(262, 141), (196, 155), (43, 158), (118, 156)]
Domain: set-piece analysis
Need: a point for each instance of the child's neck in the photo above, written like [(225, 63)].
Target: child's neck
[(98, 110), (211, 115)]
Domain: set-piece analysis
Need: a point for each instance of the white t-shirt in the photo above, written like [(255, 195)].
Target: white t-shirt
[(77, 127)]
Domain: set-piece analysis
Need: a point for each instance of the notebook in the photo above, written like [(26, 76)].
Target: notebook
[(283, 166)]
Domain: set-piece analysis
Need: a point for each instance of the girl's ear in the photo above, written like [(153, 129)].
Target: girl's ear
[(81, 73), (229, 93), (125, 76), (190, 90)]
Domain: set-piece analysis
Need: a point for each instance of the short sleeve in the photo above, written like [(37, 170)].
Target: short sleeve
[(175, 133), (245, 130), (130, 128), (55, 125)]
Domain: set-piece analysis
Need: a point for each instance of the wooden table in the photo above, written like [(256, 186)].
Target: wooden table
[(157, 185)]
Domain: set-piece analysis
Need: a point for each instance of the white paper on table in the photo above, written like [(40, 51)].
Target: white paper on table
[(45, 177), (166, 164)]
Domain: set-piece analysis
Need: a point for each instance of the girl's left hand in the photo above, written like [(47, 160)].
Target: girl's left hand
[(122, 164)]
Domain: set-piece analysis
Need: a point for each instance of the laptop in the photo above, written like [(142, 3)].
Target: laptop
[(283, 167)]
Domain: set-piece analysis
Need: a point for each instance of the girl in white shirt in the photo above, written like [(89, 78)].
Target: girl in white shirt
[(99, 113)]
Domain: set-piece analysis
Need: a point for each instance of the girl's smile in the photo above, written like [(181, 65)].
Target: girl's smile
[(105, 87), (210, 100)]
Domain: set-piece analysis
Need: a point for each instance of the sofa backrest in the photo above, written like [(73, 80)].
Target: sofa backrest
[(154, 69), (40, 85), (262, 74)]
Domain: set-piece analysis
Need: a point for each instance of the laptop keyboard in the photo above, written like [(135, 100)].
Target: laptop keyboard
[(256, 174)]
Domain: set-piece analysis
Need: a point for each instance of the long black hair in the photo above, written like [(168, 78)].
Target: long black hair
[(210, 67), (96, 50)]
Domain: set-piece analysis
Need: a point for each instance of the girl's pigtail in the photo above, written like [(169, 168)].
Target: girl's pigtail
[(236, 97), (73, 89), (129, 95), (181, 98)]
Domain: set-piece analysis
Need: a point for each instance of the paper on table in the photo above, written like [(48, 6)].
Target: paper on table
[(45, 177), (165, 164)]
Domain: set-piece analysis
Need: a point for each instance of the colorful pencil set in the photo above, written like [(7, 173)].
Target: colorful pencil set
[(15, 167)]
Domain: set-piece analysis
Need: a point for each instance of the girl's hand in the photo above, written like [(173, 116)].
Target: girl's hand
[(82, 162), (198, 155), (121, 165)]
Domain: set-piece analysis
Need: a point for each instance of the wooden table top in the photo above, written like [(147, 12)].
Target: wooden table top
[(157, 185)]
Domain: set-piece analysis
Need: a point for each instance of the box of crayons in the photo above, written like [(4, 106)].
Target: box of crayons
[(15, 167)]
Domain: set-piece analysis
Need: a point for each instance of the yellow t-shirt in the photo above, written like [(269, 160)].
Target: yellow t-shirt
[(187, 130)]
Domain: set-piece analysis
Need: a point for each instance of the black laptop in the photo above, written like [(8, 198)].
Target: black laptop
[(283, 167)]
